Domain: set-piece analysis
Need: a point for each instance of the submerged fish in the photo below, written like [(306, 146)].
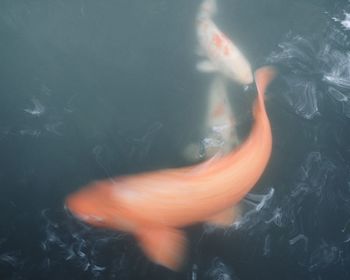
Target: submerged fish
[(154, 206), (220, 128), (221, 53), (220, 120), (220, 133)]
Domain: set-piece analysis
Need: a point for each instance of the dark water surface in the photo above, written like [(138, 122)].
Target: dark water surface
[(92, 89)]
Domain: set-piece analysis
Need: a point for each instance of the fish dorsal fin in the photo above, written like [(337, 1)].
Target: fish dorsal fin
[(224, 218), (164, 246)]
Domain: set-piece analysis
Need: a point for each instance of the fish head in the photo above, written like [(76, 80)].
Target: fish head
[(99, 205), (243, 74)]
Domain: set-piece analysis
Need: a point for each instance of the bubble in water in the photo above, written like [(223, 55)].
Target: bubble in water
[(38, 108), (219, 271), (324, 256), (300, 237)]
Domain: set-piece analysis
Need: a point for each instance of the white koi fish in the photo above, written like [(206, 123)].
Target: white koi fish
[(221, 54), (220, 120), (219, 129)]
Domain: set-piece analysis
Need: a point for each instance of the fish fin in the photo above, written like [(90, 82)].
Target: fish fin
[(206, 66), (164, 246), (264, 76), (224, 218)]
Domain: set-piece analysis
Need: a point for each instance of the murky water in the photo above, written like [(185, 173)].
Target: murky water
[(93, 89)]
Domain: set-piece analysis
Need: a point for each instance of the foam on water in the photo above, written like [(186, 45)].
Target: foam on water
[(318, 67)]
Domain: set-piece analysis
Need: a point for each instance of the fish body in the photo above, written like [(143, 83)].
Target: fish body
[(154, 206), (220, 120), (219, 126), (221, 54)]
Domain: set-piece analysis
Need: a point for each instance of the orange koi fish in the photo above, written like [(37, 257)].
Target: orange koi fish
[(221, 53), (155, 206)]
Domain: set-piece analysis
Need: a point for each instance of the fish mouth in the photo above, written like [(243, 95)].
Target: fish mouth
[(69, 211), (70, 207), (74, 214), (87, 218)]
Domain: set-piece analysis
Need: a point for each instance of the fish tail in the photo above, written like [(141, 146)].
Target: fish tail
[(263, 78), (207, 9), (164, 246)]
